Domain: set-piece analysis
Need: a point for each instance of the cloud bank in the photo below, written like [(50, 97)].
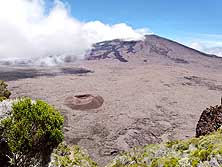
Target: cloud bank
[(30, 33), (209, 43), (209, 47)]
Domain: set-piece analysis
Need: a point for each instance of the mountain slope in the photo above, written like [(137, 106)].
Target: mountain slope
[(153, 49)]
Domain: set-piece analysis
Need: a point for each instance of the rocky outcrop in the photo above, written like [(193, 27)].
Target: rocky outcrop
[(5, 108), (84, 102), (4, 151), (210, 120)]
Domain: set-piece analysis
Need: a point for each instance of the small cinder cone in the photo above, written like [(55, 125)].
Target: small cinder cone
[(84, 102)]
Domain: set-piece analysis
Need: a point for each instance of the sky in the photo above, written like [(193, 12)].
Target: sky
[(50, 32), (196, 23)]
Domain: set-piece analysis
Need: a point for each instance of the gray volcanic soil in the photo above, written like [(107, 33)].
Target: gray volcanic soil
[(144, 102)]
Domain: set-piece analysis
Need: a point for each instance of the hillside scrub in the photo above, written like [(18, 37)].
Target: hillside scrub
[(4, 92), (30, 133), (205, 151), (71, 156)]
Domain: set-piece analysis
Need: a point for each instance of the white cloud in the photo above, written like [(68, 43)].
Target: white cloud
[(209, 43), (209, 47), (214, 50), (197, 46), (28, 34)]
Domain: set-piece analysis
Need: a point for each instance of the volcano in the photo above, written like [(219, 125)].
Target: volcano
[(153, 49), (153, 89)]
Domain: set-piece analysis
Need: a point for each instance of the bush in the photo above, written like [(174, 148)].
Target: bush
[(205, 151), (70, 156), (4, 92), (32, 131)]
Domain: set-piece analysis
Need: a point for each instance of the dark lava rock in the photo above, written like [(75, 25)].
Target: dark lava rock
[(103, 50), (210, 121), (4, 152)]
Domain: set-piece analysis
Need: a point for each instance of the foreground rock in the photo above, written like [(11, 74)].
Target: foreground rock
[(84, 102), (210, 121), (6, 108)]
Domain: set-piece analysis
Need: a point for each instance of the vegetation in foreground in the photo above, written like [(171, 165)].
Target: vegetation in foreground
[(4, 92), (30, 133), (66, 156), (205, 151)]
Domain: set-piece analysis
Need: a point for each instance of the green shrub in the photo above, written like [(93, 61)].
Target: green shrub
[(4, 92), (32, 131), (192, 152), (66, 156)]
